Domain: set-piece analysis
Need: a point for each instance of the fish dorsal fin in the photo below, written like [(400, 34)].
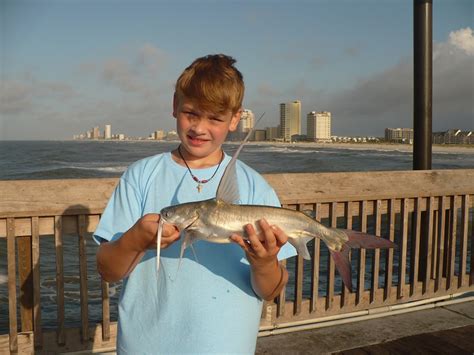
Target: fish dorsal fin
[(228, 190)]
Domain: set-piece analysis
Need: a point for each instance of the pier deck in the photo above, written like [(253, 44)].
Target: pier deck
[(444, 330)]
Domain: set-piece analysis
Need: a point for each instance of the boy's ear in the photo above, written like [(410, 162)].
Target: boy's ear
[(175, 105), (234, 121)]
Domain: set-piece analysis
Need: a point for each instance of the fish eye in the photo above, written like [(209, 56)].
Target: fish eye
[(168, 214)]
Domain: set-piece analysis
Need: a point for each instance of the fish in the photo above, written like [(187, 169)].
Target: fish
[(215, 220)]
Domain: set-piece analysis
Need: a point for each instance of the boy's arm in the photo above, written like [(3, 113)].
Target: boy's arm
[(268, 276), (118, 258)]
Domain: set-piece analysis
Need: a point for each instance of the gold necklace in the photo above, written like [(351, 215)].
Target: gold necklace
[(195, 178)]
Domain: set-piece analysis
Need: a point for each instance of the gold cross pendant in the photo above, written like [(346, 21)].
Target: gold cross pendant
[(199, 187)]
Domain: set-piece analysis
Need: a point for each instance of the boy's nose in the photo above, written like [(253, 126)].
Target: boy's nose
[(197, 125)]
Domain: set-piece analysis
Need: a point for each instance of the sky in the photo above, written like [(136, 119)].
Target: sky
[(70, 65)]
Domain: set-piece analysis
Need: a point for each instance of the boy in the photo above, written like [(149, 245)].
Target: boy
[(213, 304)]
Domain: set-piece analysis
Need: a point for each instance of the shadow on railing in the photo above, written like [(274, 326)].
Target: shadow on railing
[(57, 302)]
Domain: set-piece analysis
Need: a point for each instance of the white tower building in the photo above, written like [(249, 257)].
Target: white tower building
[(290, 119), (319, 126)]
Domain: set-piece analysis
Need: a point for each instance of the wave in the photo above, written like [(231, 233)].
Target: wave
[(3, 279)]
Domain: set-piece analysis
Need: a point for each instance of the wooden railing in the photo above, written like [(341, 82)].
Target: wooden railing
[(429, 214)]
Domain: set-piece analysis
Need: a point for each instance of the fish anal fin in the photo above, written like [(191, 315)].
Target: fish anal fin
[(299, 241), (343, 265)]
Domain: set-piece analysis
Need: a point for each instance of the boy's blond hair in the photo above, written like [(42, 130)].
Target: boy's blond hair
[(213, 83)]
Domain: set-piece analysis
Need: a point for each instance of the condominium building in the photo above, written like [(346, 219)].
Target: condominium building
[(96, 133), (399, 135), (247, 121), (272, 133), (159, 134), (108, 131), (318, 126), (290, 119)]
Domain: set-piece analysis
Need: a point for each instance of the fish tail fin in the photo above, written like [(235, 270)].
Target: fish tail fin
[(300, 245), (343, 265), (356, 240), (367, 241)]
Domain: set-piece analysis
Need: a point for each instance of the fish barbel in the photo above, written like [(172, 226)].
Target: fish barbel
[(215, 220)]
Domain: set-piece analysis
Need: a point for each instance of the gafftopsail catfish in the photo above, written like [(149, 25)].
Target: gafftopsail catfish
[(215, 220)]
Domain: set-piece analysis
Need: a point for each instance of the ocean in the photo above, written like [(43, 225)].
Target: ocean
[(92, 159), (95, 159)]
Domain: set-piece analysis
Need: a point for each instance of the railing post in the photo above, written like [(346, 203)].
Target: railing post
[(422, 100)]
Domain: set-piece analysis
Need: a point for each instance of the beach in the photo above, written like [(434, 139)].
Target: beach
[(438, 148)]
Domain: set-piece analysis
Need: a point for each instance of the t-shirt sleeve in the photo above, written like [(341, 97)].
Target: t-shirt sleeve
[(270, 198), (121, 212)]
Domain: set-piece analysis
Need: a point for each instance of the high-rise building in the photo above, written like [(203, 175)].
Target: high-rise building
[(318, 126), (247, 121), (108, 131), (96, 133), (400, 135), (271, 133), (290, 119), (159, 135)]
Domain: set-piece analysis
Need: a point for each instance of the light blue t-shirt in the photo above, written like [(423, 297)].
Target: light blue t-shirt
[(208, 306)]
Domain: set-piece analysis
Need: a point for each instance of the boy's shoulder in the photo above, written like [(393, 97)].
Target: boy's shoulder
[(146, 166), (251, 176)]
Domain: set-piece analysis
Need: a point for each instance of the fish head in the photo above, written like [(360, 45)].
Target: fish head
[(181, 216)]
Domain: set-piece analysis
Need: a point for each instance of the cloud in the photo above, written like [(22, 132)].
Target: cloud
[(385, 99), (152, 58), (463, 39)]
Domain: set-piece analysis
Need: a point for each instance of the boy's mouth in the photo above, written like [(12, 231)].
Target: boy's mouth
[(196, 140)]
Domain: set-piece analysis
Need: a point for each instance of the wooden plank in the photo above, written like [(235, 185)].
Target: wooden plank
[(81, 222), (35, 258), (362, 252), (389, 254), (106, 310), (315, 264), (350, 186), (33, 197), (434, 251), (429, 245), (331, 273), (345, 289), (12, 315), (452, 241), (402, 261), (376, 259), (58, 243), (415, 250), (471, 276), (463, 246), (441, 230), (25, 276), (46, 225), (298, 286)]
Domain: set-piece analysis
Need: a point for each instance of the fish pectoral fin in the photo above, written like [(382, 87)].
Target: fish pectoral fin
[(189, 222), (299, 239)]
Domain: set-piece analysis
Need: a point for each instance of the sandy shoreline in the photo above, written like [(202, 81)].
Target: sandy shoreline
[(372, 146)]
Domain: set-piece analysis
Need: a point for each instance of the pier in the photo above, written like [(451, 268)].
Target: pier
[(428, 214)]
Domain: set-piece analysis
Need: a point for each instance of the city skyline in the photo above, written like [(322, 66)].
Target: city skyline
[(82, 64)]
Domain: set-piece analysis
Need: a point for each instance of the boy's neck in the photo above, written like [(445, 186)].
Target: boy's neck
[(195, 162)]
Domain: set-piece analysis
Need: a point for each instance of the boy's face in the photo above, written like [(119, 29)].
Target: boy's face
[(202, 133)]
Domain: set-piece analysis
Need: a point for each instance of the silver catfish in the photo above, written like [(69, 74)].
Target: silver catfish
[(215, 220)]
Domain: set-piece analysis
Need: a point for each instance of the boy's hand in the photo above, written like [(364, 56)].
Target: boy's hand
[(146, 228), (268, 276), (261, 249)]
